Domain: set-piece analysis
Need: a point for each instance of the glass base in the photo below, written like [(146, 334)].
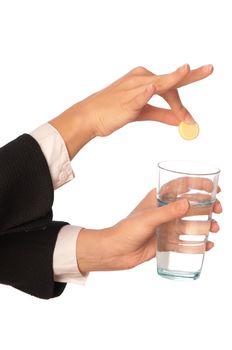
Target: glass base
[(178, 275)]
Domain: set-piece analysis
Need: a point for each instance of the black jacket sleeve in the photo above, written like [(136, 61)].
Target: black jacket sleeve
[(26, 189), (27, 232), (26, 261)]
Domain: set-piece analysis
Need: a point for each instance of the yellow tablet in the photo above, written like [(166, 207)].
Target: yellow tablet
[(189, 131)]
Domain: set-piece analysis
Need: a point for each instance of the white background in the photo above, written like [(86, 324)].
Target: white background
[(55, 53)]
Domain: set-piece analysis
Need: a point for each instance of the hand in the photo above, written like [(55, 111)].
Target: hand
[(173, 236), (132, 241), (126, 100)]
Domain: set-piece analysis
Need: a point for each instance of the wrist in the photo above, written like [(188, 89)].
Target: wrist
[(83, 119), (92, 250), (75, 127)]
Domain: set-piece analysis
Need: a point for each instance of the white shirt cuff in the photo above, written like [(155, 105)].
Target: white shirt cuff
[(55, 152), (65, 264)]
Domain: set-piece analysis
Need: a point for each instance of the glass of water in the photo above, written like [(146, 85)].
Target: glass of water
[(181, 243)]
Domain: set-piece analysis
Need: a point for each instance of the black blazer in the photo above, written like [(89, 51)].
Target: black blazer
[(27, 232)]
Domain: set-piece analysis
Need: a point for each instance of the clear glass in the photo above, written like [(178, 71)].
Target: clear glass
[(181, 243)]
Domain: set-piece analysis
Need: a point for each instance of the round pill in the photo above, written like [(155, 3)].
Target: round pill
[(189, 131)]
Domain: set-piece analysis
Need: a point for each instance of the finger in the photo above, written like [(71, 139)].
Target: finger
[(191, 75), (157, 114), (209, 245), (165, 82), (214, 227), (184, 247), (189, 227), (141, 99), (192, 248), (196, 75), (184, 227), (173, 99), (148, 201), (201, 204), (197, 197), (200, 210), (158, 216), (184, 184), (160, 83), (140, 76), (217, 207)]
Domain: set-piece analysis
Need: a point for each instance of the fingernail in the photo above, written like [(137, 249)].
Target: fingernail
[(210, 245), (184, 67), (215, 222), (208, 68), (218, 227), (188, 119), (220, 207)]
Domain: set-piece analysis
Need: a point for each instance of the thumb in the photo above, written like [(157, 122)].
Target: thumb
[(174, 210)]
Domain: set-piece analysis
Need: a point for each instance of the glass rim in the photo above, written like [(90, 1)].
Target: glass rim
[(216, 170)]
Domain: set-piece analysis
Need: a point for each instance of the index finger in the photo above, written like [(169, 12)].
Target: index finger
[(173, 99), (165, 82), (196, 75)]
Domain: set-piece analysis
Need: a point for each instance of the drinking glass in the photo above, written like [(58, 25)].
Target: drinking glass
[(181, 242)]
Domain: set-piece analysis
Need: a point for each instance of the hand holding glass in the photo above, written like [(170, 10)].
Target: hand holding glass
[(181, 243)]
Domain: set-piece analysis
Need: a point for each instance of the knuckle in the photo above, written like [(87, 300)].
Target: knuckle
[(181, 110), (180, 207), (159, 86), (132, 81), (138, 70)]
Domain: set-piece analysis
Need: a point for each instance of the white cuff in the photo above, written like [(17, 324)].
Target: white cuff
[(55, 152), (65, 265)]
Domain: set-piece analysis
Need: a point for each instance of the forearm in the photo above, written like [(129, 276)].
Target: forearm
[(75, 127)]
